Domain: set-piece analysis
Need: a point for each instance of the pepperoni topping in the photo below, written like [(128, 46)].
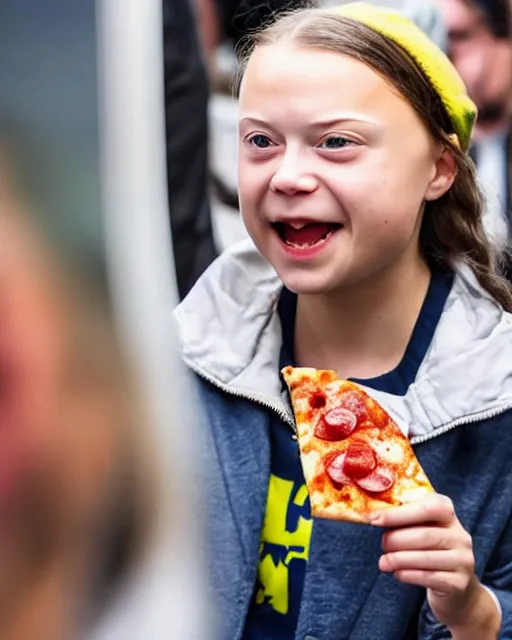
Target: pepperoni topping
[(379, 480), (317, 400), (355, 403), (334, 467), (336, 424), (360, 460)]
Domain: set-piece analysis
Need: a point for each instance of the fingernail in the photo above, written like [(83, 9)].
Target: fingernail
[(375, 518)]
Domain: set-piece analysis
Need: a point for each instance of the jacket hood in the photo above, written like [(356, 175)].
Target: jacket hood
[(230, 334)]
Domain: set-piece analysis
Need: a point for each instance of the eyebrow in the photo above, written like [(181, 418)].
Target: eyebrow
[(323, 123), (343, 119)]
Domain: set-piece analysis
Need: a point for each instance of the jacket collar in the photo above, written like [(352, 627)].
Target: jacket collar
[(230, 334)]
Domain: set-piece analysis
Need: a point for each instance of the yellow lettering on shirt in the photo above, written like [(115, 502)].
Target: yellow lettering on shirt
[(273, 571)]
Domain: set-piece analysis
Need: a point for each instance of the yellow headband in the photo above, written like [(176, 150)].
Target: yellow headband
[(432, 61)]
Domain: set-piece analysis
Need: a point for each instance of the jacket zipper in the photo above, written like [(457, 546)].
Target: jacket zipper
[(276, 407), (460, 422), (287, 416)]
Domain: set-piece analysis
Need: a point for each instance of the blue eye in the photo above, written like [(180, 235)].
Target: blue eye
[(260, 141), (335, 142)]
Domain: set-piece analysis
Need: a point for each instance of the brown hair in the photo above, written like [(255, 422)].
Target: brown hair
[(452, 229)]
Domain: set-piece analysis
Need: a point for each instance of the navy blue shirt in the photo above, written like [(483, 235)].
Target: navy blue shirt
[(284, 548)]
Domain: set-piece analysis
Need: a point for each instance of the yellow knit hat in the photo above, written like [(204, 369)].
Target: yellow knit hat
[(432, 61)]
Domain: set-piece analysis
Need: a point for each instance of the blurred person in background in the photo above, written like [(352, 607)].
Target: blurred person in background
[(186, 102), (75, 493), (480, 46)]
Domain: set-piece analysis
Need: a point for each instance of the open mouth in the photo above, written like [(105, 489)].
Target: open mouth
[(305, 236)]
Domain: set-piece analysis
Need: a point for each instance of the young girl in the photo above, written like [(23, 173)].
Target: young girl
[(357, 190)]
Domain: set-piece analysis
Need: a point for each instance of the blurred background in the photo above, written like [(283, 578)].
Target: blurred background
[(118, 156)]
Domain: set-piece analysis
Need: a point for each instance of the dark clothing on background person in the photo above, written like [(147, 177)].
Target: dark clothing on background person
[(240, 17), (502, 170), (186, 103), (508, 161), (493, 159)]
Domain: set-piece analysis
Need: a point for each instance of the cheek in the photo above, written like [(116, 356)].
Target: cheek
[(383, 201), (252, 187), (383, 213), (31, 351), (380, 230)]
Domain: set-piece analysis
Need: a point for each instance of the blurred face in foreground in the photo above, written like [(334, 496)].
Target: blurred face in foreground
[(58, 440)]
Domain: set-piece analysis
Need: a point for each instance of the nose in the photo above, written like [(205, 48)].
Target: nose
[(291, 178)]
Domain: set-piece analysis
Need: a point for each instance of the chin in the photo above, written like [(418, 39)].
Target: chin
[(308, 283), (323, 280)]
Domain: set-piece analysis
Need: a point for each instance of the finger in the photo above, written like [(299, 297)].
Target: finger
[(435, 508), (425, 538), (453, 560), (442, 582)]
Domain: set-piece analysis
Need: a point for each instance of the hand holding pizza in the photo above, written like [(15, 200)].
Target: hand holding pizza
[(360, 467), (426, 545)]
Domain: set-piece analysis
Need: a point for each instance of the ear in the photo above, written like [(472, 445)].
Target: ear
[(443, 175)]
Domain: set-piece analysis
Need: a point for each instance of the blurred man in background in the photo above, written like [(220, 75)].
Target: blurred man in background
[(480, 46)]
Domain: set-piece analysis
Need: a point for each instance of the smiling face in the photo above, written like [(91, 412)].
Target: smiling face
[(334, 168)]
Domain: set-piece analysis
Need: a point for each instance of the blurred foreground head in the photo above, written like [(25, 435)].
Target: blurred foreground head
[(75, 495)]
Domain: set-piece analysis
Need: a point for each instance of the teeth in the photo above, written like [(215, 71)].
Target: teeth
[(297, 225), (298, 246), (307, 246)]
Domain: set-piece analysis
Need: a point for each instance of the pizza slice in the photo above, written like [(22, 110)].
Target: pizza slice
[(355, 458)]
